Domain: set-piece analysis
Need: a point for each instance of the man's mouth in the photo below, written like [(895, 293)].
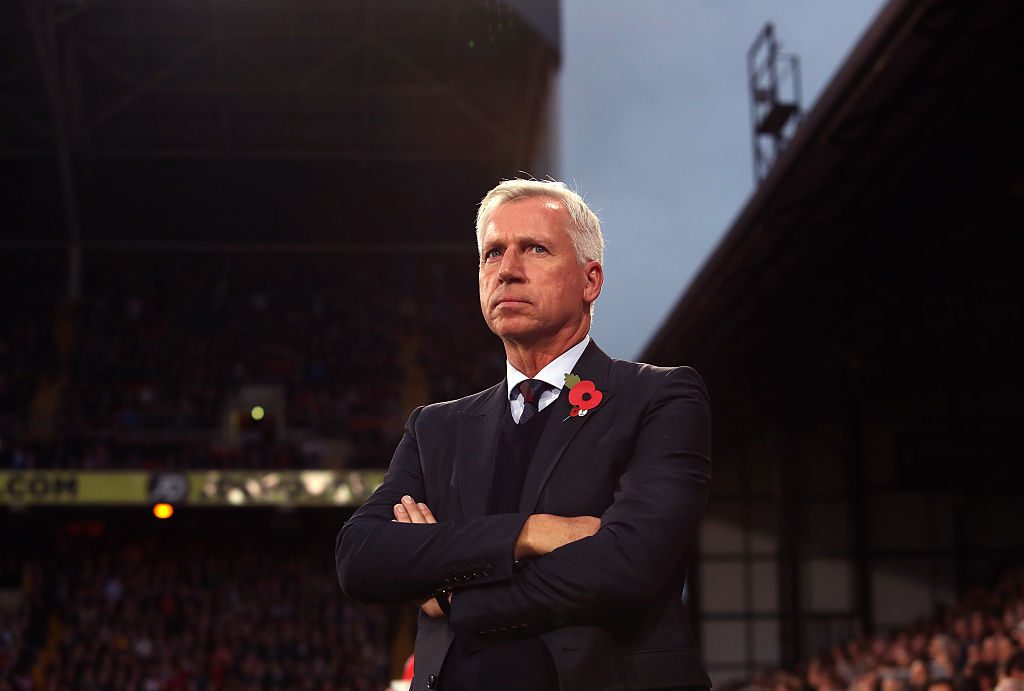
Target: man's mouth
[(510, 301)]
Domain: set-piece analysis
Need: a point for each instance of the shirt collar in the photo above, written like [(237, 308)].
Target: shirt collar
[(553, 373)]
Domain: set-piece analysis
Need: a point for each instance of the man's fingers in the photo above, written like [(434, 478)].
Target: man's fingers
[(409, 511), (409, 504), (432, 609), (427, 514), (413, 510), (543, 533), (590, 525)]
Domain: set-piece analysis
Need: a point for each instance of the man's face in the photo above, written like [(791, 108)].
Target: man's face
[(531, 287)]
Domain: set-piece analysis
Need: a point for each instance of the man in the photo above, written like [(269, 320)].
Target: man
[(546, 524)]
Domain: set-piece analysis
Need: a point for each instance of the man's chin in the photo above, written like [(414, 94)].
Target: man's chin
[(515, 331), (504, 318)]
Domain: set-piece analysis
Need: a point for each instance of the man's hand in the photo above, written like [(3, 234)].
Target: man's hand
[(432, 609), (544, 532), (409, 511)]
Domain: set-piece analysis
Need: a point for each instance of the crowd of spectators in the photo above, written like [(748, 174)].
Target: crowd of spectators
[(974, 645), (150, 361), (151, 616), (28, 358)]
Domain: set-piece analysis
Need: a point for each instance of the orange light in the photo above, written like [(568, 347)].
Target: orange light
[(163, 510)]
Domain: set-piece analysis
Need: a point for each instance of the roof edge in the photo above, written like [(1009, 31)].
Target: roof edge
[(867, 58)]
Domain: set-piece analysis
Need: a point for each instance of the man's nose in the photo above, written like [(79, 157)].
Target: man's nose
[(511, 267)]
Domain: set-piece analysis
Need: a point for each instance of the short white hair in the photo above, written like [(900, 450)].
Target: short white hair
[(584, 226)]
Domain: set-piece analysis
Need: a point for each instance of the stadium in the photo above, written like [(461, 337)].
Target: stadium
[(236, 255)]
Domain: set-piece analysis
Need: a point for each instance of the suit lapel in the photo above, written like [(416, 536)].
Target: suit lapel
[(559, 432), (479, 429)]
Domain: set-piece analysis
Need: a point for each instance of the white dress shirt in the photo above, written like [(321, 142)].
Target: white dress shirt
[(553, 373)]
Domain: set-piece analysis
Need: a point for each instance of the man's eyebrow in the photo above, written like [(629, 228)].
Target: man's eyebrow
[(529, 240), (521, 241)]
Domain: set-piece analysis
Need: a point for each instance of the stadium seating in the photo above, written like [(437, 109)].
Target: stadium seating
[(976, 644), (145, 370), (144, 614)]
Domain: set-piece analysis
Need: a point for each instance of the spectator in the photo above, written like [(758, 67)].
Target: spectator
[(146, 615), (157, 351), (975, 645)]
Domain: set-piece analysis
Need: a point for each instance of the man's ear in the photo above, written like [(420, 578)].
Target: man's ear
[(595, 279)]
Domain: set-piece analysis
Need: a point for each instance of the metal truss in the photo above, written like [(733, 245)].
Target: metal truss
[(112, 72)]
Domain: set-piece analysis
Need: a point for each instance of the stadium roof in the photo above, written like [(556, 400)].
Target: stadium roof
[(930, 87), (327, 107), (874, 279), (860, 329), (316, 79)]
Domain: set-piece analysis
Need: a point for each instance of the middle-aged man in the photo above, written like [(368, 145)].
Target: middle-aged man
[(546, 525)]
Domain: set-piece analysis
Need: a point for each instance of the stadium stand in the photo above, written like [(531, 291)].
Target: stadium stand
[(309, 251), (859, 328), (975, 645), (27, 349), (102, 608), (141, 373)]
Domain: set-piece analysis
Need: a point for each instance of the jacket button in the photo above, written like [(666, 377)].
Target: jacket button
[(431, 681)]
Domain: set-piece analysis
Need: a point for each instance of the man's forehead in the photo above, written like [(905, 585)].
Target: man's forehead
[(549, 210)]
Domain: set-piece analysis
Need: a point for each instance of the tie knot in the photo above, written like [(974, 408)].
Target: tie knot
[(532, 389)]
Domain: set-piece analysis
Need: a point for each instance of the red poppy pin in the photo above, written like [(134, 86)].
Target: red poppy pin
[(583, 395)]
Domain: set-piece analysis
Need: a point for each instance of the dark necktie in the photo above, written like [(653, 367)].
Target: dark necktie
[(531, 390)]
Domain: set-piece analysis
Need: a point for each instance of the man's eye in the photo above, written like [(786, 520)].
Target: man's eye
[(538, 249), (491, 254)]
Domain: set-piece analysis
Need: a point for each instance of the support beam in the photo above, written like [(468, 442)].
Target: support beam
[(857, 482), (149, 83), (40, 17), (264, 154)]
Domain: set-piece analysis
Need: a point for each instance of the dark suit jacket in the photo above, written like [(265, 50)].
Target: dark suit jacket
[(608, 607)]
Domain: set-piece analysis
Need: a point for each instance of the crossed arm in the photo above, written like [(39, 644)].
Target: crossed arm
[(540, 534), (380, 561), (653, 518)]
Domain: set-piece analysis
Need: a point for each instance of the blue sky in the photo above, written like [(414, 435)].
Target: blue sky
[(655, 131)]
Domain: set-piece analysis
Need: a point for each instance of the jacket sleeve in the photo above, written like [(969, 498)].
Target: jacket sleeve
[(380, 561), (651, 522)]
